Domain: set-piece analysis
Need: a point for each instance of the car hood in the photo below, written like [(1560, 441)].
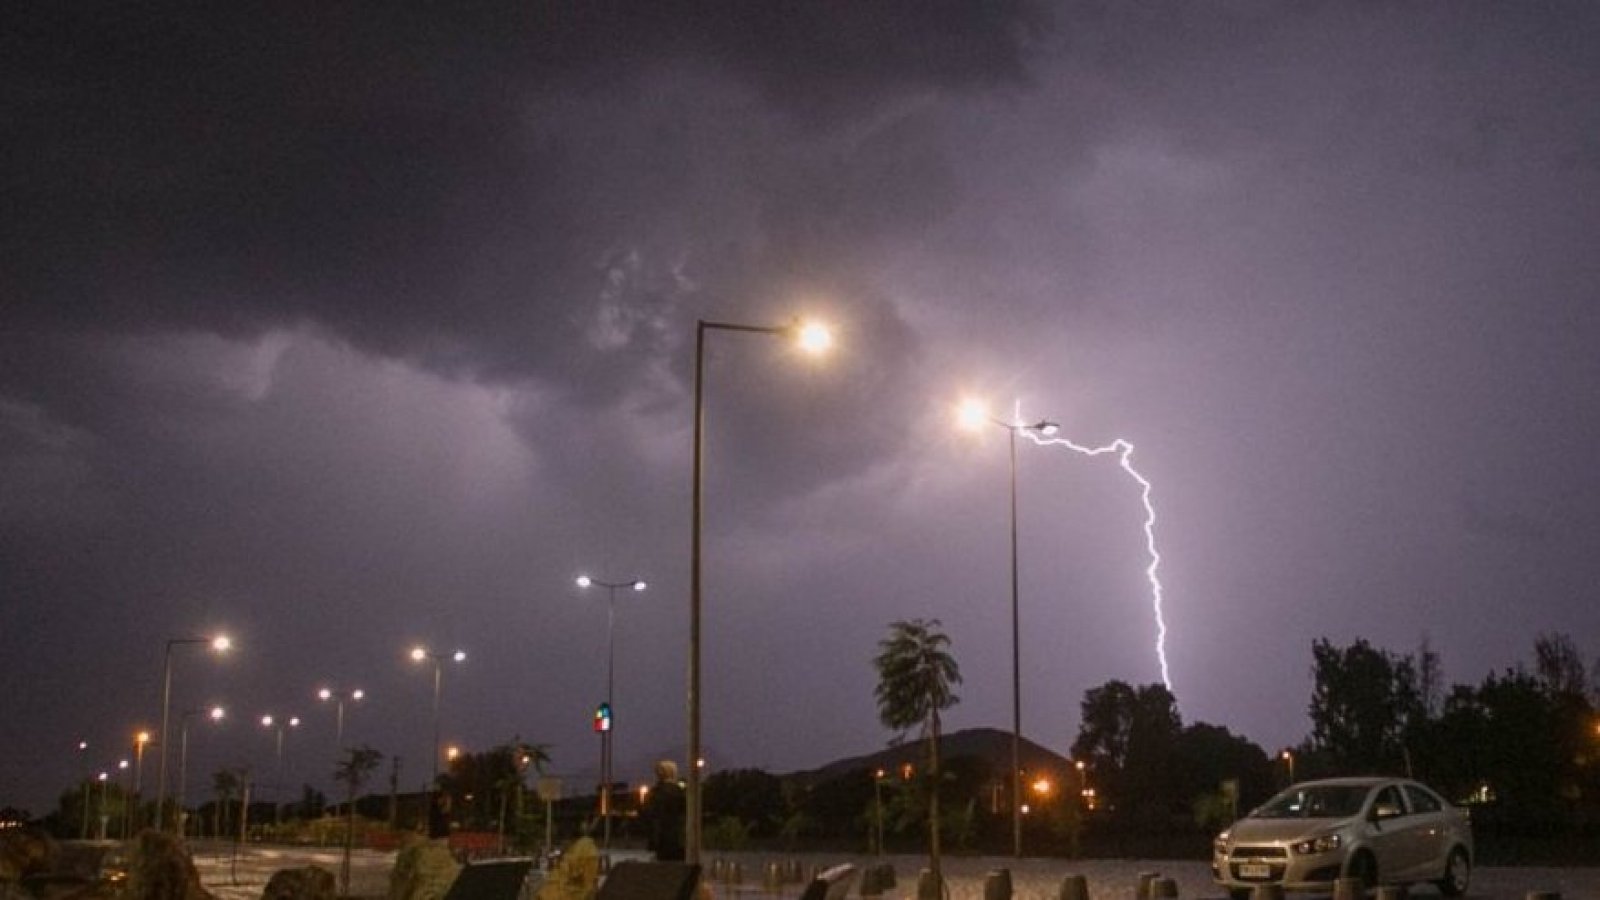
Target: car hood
[(1270, 831)]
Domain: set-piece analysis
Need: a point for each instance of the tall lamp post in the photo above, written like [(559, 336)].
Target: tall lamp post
[(140, 741), (607, 733), (216, 714), (279, 725), (88, 783), (973, 416), (123, 766), (105, 781), (812, 338), (337, 698), (220, 644), (423, 654)]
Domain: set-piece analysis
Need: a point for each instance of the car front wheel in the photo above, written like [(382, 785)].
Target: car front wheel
[(1457, 872), (1364, 869)]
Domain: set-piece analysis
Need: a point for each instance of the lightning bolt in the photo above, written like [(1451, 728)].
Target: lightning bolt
[(1123, 450)]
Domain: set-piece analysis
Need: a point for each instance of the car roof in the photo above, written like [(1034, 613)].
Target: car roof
[(1352, 781)]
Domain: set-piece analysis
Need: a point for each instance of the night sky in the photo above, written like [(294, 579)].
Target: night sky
[(347, 327)]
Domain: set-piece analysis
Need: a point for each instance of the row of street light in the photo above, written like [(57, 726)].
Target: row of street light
[(222, 644), (813, 339)]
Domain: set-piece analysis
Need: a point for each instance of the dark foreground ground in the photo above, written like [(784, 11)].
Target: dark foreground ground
[(243, 878)]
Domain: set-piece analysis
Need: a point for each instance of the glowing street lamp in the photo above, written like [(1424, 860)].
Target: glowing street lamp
[(105, 781), (813, 338), (123, 766), (279, 725), (337, 698), (1288, 760), (136, 814), (877, 808), (216, 714), (972, 415), (423, 654), (83, 747), (220, 644), (607, 733)]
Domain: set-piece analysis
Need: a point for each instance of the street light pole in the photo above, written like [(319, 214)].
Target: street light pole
[(279, 725), (815, 339), (421, 654), (607, 736), (973, 415), (216, 713), (220, 644), (338, 698), (140, 740), (87, 785)]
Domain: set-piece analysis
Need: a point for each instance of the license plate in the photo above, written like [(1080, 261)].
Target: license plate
[(1254, 870)]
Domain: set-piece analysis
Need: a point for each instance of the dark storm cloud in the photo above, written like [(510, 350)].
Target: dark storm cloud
[(384, 171)]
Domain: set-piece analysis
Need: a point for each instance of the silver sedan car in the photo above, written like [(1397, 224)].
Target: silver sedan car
[(1377, 830)]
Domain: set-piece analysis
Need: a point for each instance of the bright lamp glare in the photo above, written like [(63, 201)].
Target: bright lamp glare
[(221, 642), (972, 414), (325, 694), (460, 656), (639, 585), (419, 653), (584, 581), (266, 721), (814, 337)]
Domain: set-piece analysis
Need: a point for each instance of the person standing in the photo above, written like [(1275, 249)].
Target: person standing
[(664, 812)]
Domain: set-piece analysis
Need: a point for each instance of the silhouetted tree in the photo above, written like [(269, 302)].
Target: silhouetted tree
[(1362, 703), (355, 766), (916, 677), (1129, 736), (752, 796)]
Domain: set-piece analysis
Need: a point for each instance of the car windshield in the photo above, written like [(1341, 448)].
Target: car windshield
[(1325, 801)]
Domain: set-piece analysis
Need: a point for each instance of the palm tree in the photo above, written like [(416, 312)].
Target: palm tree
[(915, 676), (354, 767), (225, 784), (518, 758)]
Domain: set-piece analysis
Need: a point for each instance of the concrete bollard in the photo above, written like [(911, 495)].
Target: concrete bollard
[(772, 877), (1142, 891), (1163, 889), (877, 879), (1393, 892), (1074, 887), (1348, 889), (929, 887), (736, 873), (997, 885), (1267, 892)]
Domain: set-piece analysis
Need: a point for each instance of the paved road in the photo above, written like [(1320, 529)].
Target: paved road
[(1032, 879)]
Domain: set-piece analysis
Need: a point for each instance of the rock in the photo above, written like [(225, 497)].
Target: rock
[(161, 869), (304, 883), (423, 870)]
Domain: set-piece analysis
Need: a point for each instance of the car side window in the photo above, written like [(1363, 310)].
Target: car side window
[(1423, 801), (1388, 804)]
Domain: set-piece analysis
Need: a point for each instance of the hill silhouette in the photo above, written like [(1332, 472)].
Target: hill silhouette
[(989, 744)]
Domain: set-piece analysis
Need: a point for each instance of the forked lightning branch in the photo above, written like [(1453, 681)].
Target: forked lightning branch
[(1123, 450)]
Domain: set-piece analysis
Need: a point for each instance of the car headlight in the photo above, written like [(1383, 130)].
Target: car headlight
[(1321, 844), (1219, 846)]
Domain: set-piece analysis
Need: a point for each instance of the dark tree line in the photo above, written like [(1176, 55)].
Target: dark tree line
[(1522, 746)]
